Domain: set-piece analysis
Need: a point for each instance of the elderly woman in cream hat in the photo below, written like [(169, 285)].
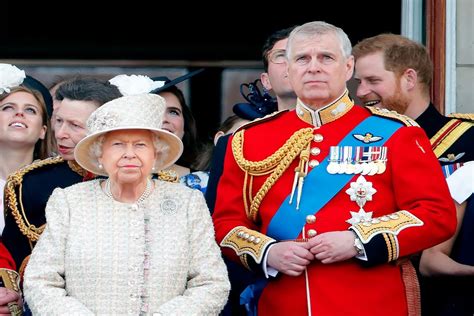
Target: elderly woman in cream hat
[(128, 244)]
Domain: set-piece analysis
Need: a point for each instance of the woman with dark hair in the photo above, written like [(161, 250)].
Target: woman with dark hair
[(179, 120)]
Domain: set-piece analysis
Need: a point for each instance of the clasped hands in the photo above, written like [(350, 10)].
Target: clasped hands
[(8, 296), (292, 257)]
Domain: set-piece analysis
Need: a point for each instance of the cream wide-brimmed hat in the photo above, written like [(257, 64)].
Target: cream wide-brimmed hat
[(141, 111)]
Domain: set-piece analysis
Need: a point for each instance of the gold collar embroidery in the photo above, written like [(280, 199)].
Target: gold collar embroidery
[(326, 114)]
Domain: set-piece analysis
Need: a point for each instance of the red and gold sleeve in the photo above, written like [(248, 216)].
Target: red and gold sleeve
[(238, 236), (9, 277), (6, 259), (426, 215)]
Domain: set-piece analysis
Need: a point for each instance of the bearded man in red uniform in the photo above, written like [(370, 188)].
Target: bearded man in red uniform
[(328, 200)]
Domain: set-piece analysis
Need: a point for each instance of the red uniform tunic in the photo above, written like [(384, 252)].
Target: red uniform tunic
[(6, 259), (412, 181)]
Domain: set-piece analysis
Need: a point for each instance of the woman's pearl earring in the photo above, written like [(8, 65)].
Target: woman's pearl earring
[(101, 166)]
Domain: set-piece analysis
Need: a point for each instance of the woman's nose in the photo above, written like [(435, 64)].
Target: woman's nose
[(20, 112), (129, 151)]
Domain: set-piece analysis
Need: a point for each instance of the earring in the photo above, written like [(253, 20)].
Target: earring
[(153, 169), (101, 166)]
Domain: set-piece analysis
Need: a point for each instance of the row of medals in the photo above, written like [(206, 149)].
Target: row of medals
[(360, 165)]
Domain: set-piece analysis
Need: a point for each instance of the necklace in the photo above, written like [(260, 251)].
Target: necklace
[(145, 194)]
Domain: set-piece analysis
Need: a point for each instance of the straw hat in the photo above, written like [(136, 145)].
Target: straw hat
[(141, 111)]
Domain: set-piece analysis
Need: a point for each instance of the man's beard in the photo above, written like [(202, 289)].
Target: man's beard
[(397, 102)]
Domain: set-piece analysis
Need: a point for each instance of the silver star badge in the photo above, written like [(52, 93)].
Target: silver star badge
[(360, 217), (361, 191)]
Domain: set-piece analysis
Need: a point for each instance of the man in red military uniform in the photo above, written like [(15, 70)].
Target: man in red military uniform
[(329, 199)]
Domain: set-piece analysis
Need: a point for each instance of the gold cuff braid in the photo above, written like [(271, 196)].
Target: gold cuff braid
[(389, 226), (246, 241), (10, 279)]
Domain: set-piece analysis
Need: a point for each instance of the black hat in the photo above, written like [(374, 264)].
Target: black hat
[(259, 104), (33, 84), (170, 83)]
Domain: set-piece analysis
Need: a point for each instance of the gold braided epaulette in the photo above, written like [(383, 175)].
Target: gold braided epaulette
[(463, 116), (259, 120), (394, 115), (16, 205), (292, 147), (276, 164)]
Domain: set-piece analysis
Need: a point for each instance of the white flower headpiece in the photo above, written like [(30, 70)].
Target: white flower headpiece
[(135, 84), (10, 77)]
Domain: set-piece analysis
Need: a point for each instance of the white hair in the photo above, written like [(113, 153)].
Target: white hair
[(161, 149), (320, 28)]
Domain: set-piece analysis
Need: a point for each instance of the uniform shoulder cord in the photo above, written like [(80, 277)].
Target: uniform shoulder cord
[(275, 164)]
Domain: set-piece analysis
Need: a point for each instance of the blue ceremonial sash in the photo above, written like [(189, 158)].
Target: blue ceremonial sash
[(250, 296), (288, 222)]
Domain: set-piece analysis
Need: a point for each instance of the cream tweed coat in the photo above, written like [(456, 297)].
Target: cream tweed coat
[(90, 258)]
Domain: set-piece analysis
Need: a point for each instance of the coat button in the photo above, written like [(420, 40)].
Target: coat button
[(313, 163), (315, 151), (311, 233), (310, 219), (318, 138)]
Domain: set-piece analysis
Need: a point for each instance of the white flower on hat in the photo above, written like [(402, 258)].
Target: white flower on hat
[(135, 84), (10, 77)]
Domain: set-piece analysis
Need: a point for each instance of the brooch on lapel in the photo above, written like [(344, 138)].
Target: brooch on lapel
[(168, 206)]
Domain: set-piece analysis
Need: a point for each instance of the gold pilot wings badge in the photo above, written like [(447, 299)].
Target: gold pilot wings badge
[(367, 138)]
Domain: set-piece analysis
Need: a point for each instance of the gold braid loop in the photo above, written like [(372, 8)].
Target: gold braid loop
[(264, 166), (16, 180), (277, 163)]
